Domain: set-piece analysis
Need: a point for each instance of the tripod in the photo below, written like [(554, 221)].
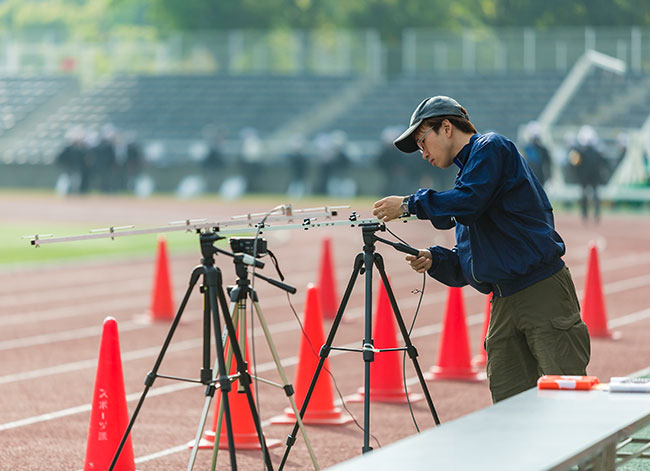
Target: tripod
[(238, 297), (363, 263), (213, 299)]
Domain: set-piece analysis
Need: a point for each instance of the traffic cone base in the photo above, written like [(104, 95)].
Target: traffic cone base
[(243, 441), (388, 396), (455, 374), (334, 416)]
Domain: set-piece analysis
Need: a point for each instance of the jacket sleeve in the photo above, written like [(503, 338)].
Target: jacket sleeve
[(474, 190), (446, 266)]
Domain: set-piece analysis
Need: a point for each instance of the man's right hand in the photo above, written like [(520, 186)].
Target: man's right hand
[(422, 262)]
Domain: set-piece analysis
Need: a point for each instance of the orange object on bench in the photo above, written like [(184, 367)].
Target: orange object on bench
[(566, 382)]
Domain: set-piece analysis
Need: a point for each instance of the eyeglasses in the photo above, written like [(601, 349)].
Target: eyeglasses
[(421, 140)]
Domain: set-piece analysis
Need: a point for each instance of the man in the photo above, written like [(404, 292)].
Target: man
[(506, 244)]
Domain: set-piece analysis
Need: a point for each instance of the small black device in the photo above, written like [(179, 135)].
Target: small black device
[(247, 245)]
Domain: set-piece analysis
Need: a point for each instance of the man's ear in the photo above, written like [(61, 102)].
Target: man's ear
[(447, 127)]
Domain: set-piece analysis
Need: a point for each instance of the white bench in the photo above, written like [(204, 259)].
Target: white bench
[(532, 431)]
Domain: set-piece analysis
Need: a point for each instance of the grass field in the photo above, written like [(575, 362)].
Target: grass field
[(16, 232)]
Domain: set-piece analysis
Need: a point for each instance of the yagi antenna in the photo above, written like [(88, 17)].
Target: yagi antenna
[(284, 218)]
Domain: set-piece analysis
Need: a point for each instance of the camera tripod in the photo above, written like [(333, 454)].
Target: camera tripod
[(239, 295), (213, 300), (363, 264)]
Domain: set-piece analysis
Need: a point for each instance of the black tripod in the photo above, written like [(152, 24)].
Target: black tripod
[(363, 263), (238, 298), (213, 298)]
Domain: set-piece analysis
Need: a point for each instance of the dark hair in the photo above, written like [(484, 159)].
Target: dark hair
[(461, 123)]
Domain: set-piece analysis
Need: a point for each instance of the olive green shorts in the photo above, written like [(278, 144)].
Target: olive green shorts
[(534, 332)]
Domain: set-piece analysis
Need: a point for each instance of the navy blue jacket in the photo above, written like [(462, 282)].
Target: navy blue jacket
[(505, 234)]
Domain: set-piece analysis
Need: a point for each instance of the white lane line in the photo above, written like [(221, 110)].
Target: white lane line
[(290, 325), (629, 318), (119, 303), (92, 363), (77, 309), (264, 367), (269, 302), (424, 331), (10, 302), (62, 336)]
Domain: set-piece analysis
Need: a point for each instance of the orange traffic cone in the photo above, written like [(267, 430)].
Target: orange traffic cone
[(109, 416), (386, 379), (243, 426), (162, 305), (480, 359), (320, 409), (454, 353), (593, 302), (329, 298)]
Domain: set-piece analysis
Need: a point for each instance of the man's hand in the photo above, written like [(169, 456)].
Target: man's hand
[(388, 208), (422, 262)]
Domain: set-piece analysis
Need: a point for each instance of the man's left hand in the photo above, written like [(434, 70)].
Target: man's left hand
[(388, 208)]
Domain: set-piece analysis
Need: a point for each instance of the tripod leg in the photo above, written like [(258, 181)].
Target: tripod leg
[(368, 352), (209, 393), (288, 388), (213, 280), (235, 310), (324, 353), (244, 376), (151, 376), (410, 348)]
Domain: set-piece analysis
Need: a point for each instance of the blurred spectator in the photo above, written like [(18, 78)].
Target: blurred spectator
[(590, 168), (333, 165), (621, 147), (105, 159), (251, 158), (91, 140), (536, 153), (71, 161), (397, 178), (134, 163), (214, 159), (297, 161)]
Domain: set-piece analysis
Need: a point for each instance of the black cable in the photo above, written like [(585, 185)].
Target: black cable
[(338, 391), (260, 225), (415, 316)]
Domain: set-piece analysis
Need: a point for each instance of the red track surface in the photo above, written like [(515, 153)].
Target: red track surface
[(51, 320)]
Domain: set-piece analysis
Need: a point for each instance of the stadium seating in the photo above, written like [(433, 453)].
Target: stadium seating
[(20, 96), (175, 109)]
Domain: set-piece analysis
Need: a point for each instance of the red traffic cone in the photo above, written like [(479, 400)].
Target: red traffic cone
[(162, 305), (593, 302), (454, 353), (386, 379), (329, 297), (243, 426), (109, 415), (480, 359), (320, 409)]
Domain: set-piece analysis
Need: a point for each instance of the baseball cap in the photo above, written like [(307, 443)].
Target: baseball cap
[(430, 107)]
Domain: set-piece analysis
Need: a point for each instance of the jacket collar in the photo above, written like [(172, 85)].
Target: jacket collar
[(461, 157)]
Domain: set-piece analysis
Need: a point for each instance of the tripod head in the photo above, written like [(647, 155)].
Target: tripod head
[(369, 231), (208, 250)]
